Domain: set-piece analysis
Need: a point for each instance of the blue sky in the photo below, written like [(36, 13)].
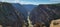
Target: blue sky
[(35, 2)]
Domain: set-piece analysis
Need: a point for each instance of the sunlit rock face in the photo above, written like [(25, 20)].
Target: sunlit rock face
[(9, 16), (55, 23), (44, 13)]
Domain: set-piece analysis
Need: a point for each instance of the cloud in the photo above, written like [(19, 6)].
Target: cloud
[(24, 2), (55, 0), (11, 1), (34, 3)]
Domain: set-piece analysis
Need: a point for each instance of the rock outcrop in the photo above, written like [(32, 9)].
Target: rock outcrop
[(9, 16), (44, 13)]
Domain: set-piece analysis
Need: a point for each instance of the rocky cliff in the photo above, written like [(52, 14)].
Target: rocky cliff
[(9, 16), (44, 13)]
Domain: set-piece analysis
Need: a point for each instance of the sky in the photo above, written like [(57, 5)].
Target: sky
[(35, 2)]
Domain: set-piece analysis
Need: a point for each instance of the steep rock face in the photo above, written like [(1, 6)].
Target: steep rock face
[(21, 9), (9, 16), (44, 13)]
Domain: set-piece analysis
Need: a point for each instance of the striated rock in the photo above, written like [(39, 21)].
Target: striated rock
[(44, 13), (9, 16), (21, 9)]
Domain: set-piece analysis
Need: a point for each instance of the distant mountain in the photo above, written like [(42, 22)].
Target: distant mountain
[(9, 16), (44, 13), (29, 7)]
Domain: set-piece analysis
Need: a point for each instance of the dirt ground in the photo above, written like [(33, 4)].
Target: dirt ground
[(0, 25), (55, 23)]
